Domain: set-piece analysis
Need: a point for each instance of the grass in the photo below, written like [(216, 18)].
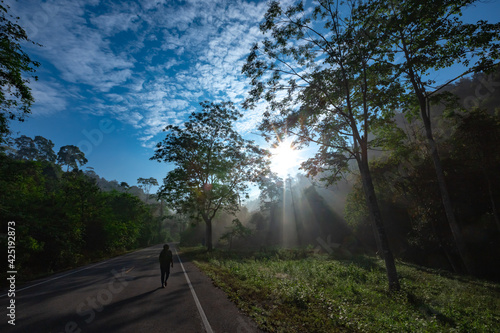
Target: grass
[(296, 291)]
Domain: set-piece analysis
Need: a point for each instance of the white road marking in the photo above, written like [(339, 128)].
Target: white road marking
[(57, 277), (208, 328)]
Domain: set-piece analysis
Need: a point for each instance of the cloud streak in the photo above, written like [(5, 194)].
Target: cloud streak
[(146, 63)]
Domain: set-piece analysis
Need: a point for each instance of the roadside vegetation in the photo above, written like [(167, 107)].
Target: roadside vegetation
[(64, 219), (303, 291)]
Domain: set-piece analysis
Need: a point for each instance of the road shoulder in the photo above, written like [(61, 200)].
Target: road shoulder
[(223, 315)]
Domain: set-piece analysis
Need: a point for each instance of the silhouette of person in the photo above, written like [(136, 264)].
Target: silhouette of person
[(166, 262)]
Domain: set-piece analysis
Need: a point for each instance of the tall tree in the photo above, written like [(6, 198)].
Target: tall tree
[(213, 164), (145, 184), (26, 148), (15, 94), (40, 149), (71, 156), (323, 84), (125, 186), (429, 36)]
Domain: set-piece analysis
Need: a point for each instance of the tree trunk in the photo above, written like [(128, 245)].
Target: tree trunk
[(208, 235), (445, 196), (379, 250), (376, 217)]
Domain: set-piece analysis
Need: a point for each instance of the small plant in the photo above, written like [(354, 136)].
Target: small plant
[(238, 230)]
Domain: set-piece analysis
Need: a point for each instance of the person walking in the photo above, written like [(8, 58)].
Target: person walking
[(166, 261)]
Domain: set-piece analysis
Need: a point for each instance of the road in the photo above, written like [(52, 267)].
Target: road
[(123, 294)]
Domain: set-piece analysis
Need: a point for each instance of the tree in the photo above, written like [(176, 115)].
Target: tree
[(271, 188), (15, 94), (324, 84), (145, 184), (40, 149), (429, 36), (298, 224), (44, 149), (238, 230), (26, 149), (125, 186), (71, 156), (213, 164)]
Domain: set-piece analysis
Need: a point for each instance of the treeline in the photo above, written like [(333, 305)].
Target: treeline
[(62, 217)]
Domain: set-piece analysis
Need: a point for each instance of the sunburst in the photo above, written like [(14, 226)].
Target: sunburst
[(284, 157)]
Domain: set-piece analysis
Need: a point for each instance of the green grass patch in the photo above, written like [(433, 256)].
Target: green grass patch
[(297, 291)]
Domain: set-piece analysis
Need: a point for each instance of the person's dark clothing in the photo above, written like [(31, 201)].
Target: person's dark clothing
[(165, 262)]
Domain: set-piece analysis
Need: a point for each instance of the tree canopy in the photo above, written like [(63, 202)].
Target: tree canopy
[(213, 164)]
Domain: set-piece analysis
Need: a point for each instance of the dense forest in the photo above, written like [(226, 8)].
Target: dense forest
[(407, 189), (298, 212)]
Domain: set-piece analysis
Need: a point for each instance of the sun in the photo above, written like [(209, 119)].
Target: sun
[(284, 158)]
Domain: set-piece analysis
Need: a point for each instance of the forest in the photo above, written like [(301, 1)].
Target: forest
[(408, 197), (67, 217), (299, 211), (403, 171)]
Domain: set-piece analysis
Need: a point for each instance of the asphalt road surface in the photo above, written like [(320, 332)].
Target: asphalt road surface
[(123, 294)]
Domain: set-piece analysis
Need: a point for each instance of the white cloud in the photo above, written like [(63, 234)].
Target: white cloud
[(123, 18), (48, 98)]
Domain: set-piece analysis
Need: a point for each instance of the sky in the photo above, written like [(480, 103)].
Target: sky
[(114, 73)]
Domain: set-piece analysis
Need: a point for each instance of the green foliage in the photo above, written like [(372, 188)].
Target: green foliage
[(332, 82), (430, 36), (213, 163), (271, 190), (63, 219), (71, 156), (238, 230), (15, 94), (315, 294)]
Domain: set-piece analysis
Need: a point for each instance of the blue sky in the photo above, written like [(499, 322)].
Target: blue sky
[(114, 73)]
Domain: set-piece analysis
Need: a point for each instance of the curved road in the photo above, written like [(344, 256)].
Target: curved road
[(123, 294)]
